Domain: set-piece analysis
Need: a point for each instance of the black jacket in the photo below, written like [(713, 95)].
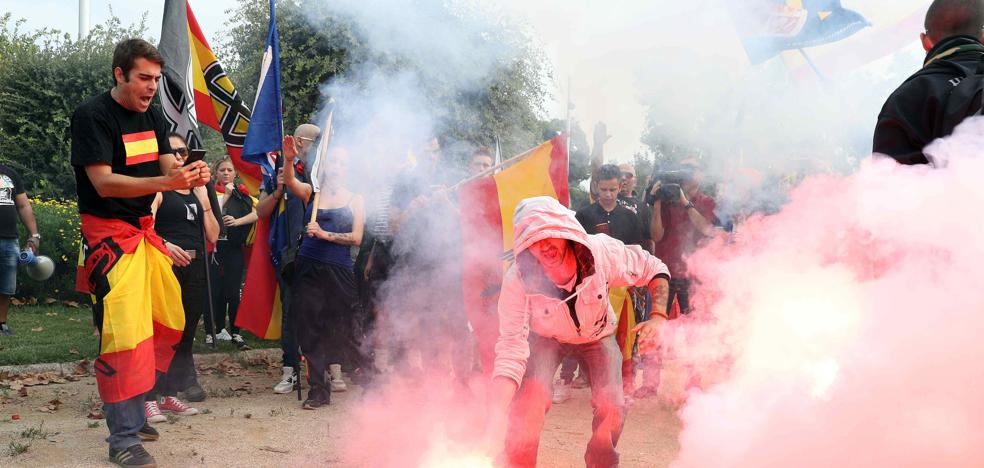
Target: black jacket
[(912, 115)]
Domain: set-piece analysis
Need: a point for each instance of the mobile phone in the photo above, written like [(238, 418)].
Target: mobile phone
[(194, 155)]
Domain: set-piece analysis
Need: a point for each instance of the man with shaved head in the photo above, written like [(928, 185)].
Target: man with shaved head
[(929, 104)]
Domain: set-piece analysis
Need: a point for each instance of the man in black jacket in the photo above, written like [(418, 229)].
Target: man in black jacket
[(913, 115)]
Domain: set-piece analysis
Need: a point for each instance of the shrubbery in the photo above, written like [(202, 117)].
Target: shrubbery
[(58, 224)]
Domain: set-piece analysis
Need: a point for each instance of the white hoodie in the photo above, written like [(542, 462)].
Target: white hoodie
[(530, 300)]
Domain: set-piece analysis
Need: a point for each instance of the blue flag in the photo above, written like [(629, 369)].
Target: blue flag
[(769, 27), (266, 126)]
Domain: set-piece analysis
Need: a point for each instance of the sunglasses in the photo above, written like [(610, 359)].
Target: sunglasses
[(181, 151)]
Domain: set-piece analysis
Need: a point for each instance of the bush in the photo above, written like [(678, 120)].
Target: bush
[(58, 224)]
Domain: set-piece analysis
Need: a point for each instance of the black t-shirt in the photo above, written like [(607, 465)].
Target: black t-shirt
[(622, 224), (296, 208), (104, 132), (10, 186), (641, 209), (179, 220), (237, 206)]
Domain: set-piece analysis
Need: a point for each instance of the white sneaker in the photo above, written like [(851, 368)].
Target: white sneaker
[(336, 384), (223, 335), (287, 382), (153, 412), (561, 392)]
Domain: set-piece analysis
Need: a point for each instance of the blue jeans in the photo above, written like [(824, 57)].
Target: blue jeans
[(9, 252), (603, 362), (124, 419)]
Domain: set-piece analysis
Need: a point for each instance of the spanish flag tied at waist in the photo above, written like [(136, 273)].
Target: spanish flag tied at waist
[(136, 304)]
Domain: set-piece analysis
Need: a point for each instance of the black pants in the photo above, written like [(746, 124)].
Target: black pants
[(181, 374), (325, 307), (227, 286)]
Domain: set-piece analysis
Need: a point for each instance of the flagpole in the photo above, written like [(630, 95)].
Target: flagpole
[(497, 167), (813, 66)]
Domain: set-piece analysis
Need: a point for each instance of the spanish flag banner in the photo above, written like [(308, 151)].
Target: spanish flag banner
[(140, 147), (487, 207), (196, 90), (136, 304)]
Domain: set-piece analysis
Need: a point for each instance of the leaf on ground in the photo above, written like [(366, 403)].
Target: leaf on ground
[(50, 301), (16, 302), (37, 329), (95, 414), (72, 304), (81, 368), (73, 351), (22, 392)]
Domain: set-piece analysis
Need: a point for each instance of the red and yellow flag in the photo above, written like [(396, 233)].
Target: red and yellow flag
[(136, 304), (140, 147), (487, 207)]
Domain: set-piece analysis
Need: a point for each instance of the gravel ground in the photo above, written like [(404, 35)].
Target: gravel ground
[(245, 424)]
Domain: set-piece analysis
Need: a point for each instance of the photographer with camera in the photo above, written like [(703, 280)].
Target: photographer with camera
[(682, 216)]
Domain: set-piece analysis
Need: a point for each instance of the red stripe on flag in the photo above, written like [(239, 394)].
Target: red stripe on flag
[(165, 339), (481, 227), (558, 169), (141, 158), (132, 137), (124, 374), (260, 291)]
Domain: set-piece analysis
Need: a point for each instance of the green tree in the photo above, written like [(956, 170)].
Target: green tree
[(46, 75), (318, 45)]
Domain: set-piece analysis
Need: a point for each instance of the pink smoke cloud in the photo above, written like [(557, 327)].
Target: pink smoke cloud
[(846, 329)]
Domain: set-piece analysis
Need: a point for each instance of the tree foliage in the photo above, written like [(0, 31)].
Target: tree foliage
[(319, 45), (46, 75)]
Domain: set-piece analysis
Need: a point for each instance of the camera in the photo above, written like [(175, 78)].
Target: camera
[(672, 182)]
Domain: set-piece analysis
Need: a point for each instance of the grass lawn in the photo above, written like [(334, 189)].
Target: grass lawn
[(58, 333)]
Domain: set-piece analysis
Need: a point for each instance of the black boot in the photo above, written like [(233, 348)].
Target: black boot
[(318, 396)]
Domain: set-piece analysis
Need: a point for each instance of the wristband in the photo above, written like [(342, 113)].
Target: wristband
[(689, 206)]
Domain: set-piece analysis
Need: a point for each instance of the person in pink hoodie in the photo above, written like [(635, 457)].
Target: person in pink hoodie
[(554, 301)]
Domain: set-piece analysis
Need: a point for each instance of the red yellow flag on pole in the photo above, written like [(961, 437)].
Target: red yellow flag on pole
[(487, 207)]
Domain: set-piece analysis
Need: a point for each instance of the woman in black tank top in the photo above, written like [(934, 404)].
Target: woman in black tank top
[(178, 218)]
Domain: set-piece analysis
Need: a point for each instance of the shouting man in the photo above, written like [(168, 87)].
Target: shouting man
[(122, 158), (554, 302)]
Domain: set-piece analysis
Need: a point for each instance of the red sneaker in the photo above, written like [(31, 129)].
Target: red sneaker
[(177, 406)]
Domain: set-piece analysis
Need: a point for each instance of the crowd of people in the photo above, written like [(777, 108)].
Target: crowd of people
[(165, 238)]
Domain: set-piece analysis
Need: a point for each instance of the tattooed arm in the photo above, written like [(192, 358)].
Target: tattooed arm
[(649, 331)]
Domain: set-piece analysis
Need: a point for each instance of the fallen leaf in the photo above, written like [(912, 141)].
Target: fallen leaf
[(22, 392), (73, 351), (38, 329), (50, 301), (16, 302), (15, 417), (72, 304), (95, 414)]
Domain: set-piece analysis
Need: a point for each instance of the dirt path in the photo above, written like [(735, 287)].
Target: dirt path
[(247, 425)]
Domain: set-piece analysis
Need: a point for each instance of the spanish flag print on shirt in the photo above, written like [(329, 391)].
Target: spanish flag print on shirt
[(140, 147)]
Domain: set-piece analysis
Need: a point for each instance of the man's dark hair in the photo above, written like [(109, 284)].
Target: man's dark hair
[(129, 50), (608, 172), (947, 18)]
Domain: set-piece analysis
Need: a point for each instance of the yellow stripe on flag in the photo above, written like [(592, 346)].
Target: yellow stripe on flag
[(140, 147), (525, 179)]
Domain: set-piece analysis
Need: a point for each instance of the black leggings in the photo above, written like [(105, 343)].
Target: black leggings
[(227, 286), (181, 374)]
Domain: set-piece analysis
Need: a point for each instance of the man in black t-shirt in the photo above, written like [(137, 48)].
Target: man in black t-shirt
[(13, 204), (605, 216), (122, 158)]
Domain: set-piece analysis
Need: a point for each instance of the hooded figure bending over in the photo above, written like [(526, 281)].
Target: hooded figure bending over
[(554, 302)]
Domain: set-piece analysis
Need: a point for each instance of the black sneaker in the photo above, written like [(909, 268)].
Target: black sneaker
[(316, 399), (134, 455), (5, 330), (194, 393), (148, 434)]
